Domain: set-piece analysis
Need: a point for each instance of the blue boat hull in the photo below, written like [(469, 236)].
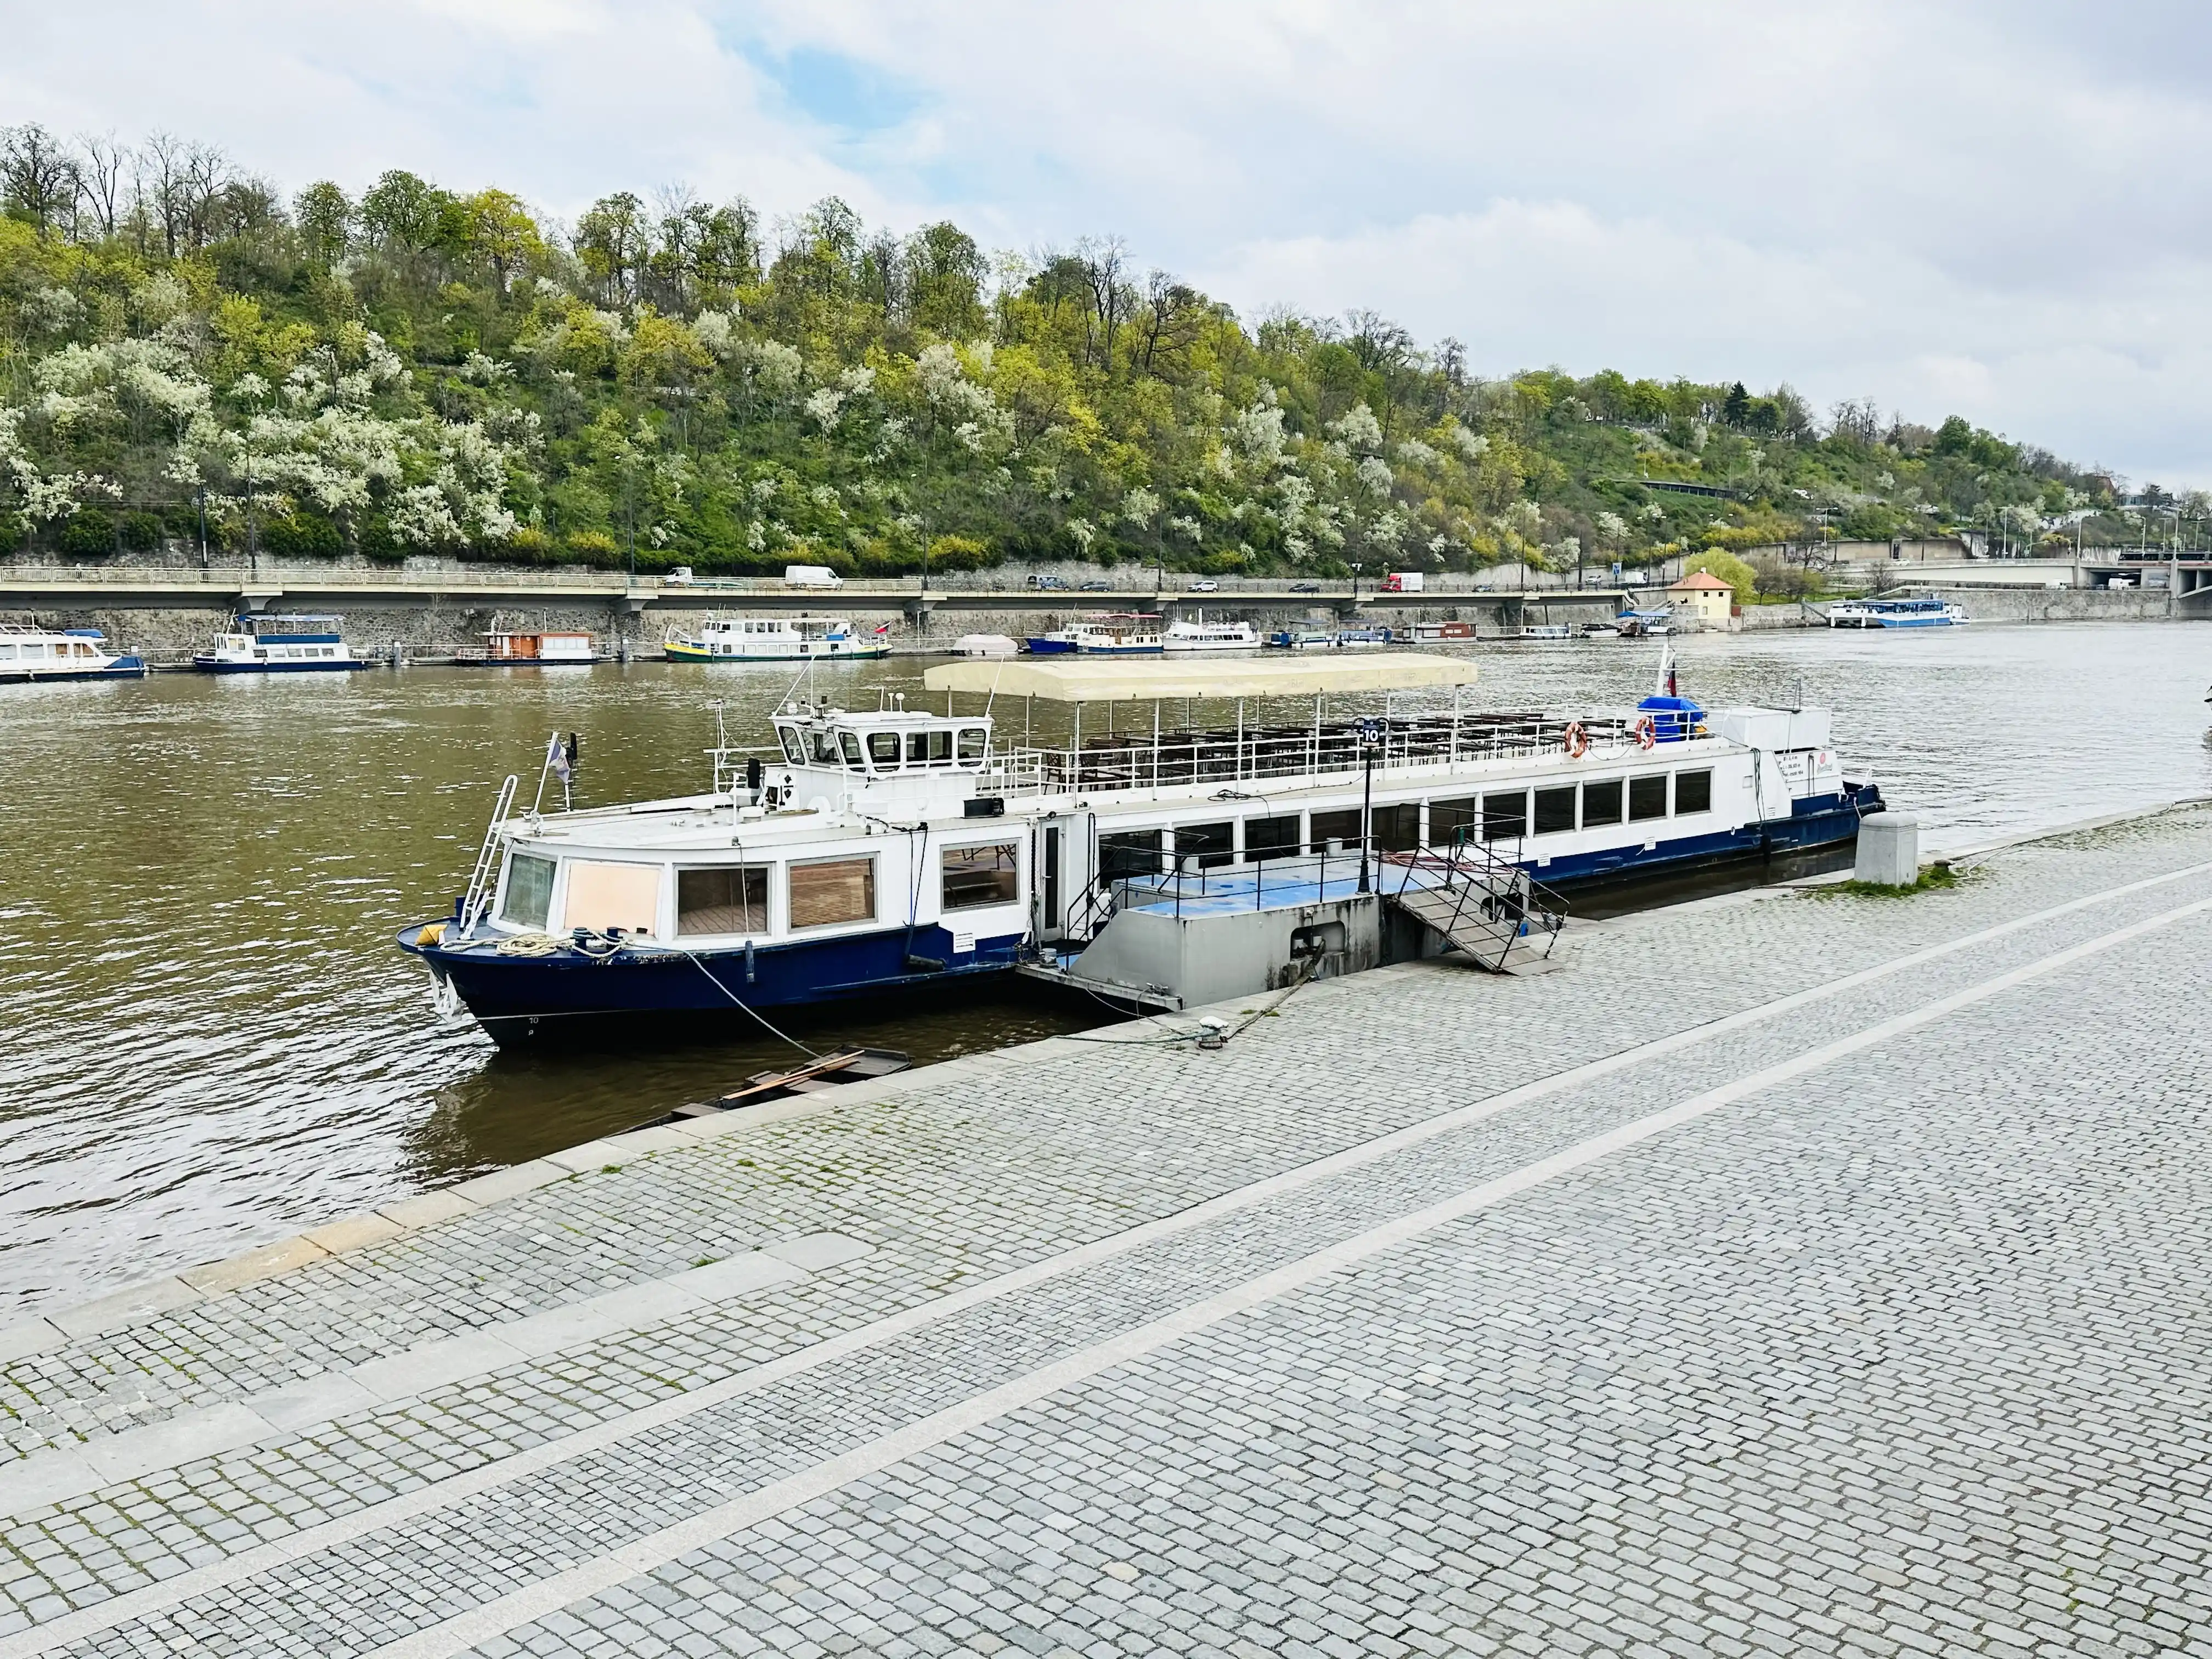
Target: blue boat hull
[(524, 999), (123, 668), (1043, 647)]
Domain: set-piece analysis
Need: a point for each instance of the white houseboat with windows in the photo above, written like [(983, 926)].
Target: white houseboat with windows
[(780, 639), (33, 655), (1925, 612), (877, 849), (1114, 634), (279, 644)]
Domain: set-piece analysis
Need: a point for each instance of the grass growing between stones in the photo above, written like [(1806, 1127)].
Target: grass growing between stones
[(1933, 878)]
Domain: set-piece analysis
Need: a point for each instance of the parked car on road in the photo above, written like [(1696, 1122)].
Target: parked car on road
[(1305, 587), (679, 577), (1039, 584), (1205, 585), (1098, 587)]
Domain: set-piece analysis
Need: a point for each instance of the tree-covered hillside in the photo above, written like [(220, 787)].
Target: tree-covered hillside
[(417, 370)]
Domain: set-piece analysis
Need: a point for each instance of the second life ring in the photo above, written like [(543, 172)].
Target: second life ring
[(1647, 731), (1575, 740)]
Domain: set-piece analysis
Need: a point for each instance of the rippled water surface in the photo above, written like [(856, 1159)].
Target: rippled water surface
[(208, 1039)]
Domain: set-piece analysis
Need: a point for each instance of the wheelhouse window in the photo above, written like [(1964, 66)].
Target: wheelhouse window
[(1555, 811), (1272, 838), (1601, 803), (851, 747), (1204, 846), (1451, 821), (529, 897), (727, 898), (794, 751), (974, 876), (827, 891), (1130, 853), (883, 751), (974, 740), (1693, 792), (606, 896), (1505, 817), (928, 748), (1647, 799)]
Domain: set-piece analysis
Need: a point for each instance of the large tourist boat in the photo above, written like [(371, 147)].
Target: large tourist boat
[(29, 655), (1109, 634), (1927, 612), (882, 849), (1185, 638), (780, 639), (280, 645)]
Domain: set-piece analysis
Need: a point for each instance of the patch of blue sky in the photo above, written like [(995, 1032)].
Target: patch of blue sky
[(839, 92)]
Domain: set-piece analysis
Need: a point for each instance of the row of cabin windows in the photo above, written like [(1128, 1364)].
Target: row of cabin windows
[(1508, 815), (885, 751), (733, 898), (38, 653)]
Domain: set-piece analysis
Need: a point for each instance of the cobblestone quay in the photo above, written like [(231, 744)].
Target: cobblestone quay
[(1792, 1273)]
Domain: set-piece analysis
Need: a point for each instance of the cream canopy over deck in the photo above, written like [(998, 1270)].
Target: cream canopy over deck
[(1110, 680)]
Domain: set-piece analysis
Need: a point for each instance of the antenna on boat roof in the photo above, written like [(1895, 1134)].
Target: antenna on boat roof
[(1665, 688)]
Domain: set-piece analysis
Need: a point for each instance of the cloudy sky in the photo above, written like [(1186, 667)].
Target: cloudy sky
[(1996, 209)]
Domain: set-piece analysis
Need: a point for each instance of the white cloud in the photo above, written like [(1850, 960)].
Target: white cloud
[(1998, 209)]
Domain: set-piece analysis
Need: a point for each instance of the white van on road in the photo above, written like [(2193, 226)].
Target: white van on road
[(810, 576)]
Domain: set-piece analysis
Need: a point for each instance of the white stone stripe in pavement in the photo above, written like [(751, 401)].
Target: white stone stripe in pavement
[(263, 1557), (457, 1635)]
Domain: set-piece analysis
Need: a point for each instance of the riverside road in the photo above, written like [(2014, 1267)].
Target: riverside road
[(1793, 1273)]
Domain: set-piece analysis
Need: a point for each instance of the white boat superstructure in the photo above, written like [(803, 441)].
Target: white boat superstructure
[(263, 644), (36, 654)]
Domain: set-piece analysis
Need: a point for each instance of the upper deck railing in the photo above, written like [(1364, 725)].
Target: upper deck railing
[(1331, 748)]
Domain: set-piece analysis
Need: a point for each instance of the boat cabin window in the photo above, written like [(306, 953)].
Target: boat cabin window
[(851, 747), (1398, 829), (529, 890), (1647, 799), (826, 891), (1272, 838), (1555, 811), (974, 740), (1129, 853), (1601, 803), (1339, 830), (977, 876), (1505, 817), (794, 751), (1693, 792), (883, 750), (1451, 822), (928, 748), (728, 898), (824, 748), (604, 895), (1205, 846)]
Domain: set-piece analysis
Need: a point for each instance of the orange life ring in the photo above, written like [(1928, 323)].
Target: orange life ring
[(1647, 731), (1575, 740)]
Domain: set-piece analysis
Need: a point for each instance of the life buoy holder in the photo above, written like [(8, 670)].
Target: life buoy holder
[(1647, 731), (1575, 740)]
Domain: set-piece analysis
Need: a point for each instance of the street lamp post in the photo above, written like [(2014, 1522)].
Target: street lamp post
[(1371, 734), (1355, 600)]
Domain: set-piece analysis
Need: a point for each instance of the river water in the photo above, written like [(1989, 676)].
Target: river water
[(208, 1039)]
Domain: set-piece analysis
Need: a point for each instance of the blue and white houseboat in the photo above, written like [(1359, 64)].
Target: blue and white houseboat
[(34, 655), (888, 848), (780, 639), (1926, 612), (279, 644)]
